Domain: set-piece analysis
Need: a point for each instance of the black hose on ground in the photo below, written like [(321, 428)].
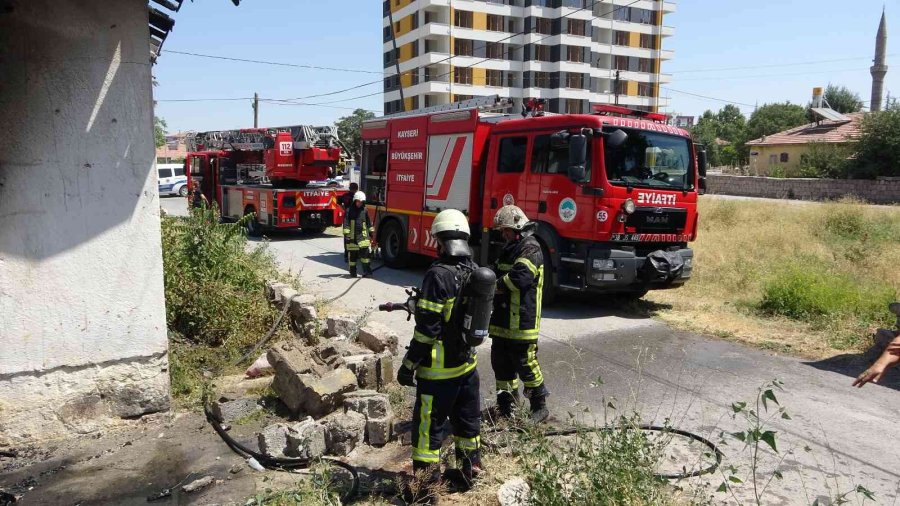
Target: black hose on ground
[(278, 463), (265, 339)]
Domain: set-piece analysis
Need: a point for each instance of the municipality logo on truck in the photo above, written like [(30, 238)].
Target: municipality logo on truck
[(568, 210)]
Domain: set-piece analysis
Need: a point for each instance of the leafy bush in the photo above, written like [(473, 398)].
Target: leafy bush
[(823, 160), (878, 146), (215, 307), (599, 468), (804, 290)]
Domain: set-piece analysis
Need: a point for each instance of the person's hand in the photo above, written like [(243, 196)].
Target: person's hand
[(872, 374), (406, 376), (893, 349)]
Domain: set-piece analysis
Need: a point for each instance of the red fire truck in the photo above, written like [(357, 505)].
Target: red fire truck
[(263, 172), (606, 190)]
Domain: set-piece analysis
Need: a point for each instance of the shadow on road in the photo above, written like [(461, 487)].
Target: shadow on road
[(852, 364), (578, 306)]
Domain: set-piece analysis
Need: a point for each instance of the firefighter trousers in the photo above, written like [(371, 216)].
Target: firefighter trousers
[(437, 400), (357, 254), (515, 360)]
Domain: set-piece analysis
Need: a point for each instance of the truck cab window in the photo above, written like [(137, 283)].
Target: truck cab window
[(553, 159), (512, 154)]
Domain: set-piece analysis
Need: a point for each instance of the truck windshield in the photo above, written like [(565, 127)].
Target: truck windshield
[(650, 160)]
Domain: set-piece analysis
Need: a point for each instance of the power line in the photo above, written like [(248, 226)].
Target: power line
[(811, 62), (759, 76), (279, 64), (708, 97), (201, 99)]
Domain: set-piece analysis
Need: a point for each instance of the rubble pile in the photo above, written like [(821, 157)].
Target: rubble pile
[(332, 378)]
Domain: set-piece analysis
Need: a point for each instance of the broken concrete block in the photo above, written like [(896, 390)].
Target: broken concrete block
[(273, 440), (228, 410), (378, 338), (273, 290), (514, 492), (341, 327), (303, 309), (378, 430), (368, 402), (384, 370), (286, 294), (343, 432), (365, 369), (402, 431), (306, 439), (328, 355), (320, 396), (292, 358)]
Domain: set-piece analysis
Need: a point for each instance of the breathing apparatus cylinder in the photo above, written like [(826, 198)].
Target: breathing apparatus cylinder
[(479, 296)]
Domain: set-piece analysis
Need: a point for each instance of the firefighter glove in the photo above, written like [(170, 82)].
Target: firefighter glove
[(406, 376)]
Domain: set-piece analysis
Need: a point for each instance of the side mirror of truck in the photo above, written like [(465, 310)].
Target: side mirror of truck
[(577, 158), (701, 162), (701, 186)]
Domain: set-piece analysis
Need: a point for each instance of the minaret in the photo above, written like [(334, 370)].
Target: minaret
[(879, 70)]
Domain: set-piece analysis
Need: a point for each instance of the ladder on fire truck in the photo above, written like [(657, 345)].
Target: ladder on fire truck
[(254, 139), (483, 104)]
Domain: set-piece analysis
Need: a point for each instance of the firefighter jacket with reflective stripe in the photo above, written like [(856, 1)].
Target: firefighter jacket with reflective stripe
[(520, 283), (357, 228), (437, 350)]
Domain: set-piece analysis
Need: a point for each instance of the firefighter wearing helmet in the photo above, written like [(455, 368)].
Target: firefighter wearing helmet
[(441, 363), (357, 231), (516, 320)]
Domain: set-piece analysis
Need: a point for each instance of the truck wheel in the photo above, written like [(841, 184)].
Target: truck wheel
[(183, 191), (550, 292), (392, 241), (254, 229)]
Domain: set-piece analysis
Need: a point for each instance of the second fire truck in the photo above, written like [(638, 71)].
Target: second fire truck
[(263, 173), (613, 194)]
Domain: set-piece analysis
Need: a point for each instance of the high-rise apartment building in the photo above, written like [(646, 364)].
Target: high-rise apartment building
[(572, 53)]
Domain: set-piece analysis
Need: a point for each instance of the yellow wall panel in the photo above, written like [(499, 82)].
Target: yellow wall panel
[(632, 88), (406, 51), (479, 77), (634, 39), (396, 5), (479, 20)]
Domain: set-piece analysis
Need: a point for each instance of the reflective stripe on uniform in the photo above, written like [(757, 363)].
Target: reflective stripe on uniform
[(535, 368), (508, 386), (448, 308), (504, 267), (529, 334), (352, 246), (430, 306), (409, 364), (423, 452), (515, 302), (346, 231), (364, 260), (365, 243), (527, 263), (422, 338), (432, 373), (467, 443)]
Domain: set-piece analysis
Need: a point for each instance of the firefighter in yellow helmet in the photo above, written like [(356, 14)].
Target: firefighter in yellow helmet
[(516, 320), (357, 232), (441, 361)]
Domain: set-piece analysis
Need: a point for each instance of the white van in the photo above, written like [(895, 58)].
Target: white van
[(172, 180)]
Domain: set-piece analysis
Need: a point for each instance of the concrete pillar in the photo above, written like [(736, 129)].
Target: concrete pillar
[(82, 310)]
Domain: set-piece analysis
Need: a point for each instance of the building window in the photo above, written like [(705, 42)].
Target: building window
[(620, 63), (575, 54), (574, 80), (621, 38), (576, 27), (493, 50), (462, 75), (573, 106), (512, 154), (645, 65), (773, 159), (493, 77), (495, 23), (648, 41), (462, 47), (543, 26), (621, 88), (645, 89), (541, 53), (462, 98), (462, 19), (541, 80), (784, 158)]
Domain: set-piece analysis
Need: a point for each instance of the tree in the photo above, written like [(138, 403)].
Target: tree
[(705, 132), (773, 118), (159, 131), (731, 124), (878, 146), (349, 127), (842, 100)]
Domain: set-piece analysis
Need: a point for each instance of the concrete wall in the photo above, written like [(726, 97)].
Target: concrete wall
[(82, 311), (876, 192)]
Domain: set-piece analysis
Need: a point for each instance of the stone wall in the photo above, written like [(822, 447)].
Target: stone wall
[(876, 192), (82, 309)]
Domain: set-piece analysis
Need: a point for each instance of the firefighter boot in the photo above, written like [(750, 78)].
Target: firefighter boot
[(422, 487), (507, 402), (353, 271), (366, 269), (538, 403), (469, 464)]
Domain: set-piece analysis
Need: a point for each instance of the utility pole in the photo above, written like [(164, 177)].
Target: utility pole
[(397, 57), (256, 110)]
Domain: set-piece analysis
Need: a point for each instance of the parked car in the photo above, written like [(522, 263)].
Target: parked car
[(333, 182), (172, 180)]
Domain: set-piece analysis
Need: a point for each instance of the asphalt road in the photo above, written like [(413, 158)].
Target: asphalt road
[(595, 355)]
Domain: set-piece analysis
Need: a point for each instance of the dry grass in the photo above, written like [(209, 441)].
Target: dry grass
[(747, 250)]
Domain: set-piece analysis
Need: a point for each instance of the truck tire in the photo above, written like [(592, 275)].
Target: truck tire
[(392, 241), (550, 292), (254, 229), (183, 191)]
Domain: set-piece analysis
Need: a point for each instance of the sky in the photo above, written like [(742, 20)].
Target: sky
[(726, 51)]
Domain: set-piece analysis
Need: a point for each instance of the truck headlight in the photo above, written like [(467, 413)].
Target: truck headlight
[(688, 263), (628, 206), (604, 265)]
